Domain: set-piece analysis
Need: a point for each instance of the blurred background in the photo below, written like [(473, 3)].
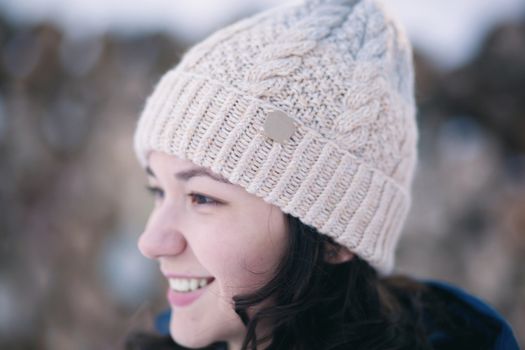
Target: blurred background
[(74, 76)]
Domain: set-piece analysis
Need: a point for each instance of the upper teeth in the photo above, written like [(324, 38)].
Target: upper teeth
[(187, 284)]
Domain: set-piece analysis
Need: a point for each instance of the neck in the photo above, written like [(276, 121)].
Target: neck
[(262, 328)]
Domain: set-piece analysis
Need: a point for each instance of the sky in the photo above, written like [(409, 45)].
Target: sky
[(448, 32)]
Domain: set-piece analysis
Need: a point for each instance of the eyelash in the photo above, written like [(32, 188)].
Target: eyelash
[(156, 192)]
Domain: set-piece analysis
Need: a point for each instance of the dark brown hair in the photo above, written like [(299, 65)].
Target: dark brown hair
[(325, 306)]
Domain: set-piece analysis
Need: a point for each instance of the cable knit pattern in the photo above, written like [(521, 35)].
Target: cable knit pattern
[(342, 70)]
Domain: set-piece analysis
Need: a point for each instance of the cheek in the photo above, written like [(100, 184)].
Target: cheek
[(240, 254)]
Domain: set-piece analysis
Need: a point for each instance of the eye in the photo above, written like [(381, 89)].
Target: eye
[(155, 192), (201, 199), (197, 198)]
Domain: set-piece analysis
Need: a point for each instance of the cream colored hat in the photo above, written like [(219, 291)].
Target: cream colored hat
[(309, 106)]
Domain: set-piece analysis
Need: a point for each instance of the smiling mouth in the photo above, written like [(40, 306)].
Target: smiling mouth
[(187, 285)]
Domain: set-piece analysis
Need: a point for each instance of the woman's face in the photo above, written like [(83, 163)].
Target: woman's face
[(216, 234)]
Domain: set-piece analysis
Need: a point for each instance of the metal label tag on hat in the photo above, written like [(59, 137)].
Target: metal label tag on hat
[(279, 126)]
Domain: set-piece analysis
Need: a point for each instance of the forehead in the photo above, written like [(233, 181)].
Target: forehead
[(183, 169), (158, 159)]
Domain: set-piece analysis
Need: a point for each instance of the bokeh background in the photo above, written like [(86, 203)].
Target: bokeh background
[(74, 76)]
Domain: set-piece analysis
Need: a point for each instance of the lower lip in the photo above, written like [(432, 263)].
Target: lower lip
[(184, 299)]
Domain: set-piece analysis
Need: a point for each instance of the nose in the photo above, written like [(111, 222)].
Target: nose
[(161, 237)]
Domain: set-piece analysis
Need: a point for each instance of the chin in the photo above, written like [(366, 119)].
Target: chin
[(194, 336), (190, 340)]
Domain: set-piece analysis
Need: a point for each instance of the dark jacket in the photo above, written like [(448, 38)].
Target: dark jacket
[(485, 324)]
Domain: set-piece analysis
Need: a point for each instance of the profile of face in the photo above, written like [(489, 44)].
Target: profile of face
[(213, 240)]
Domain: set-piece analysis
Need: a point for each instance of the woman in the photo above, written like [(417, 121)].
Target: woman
[(281, 152)]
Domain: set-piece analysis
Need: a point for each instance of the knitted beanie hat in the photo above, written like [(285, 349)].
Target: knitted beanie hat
[(309, 106)]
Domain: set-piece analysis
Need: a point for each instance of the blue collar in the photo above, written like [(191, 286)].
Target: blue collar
[(480, 316)]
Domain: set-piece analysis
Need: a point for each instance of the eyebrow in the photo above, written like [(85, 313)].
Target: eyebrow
[(185, 175)]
